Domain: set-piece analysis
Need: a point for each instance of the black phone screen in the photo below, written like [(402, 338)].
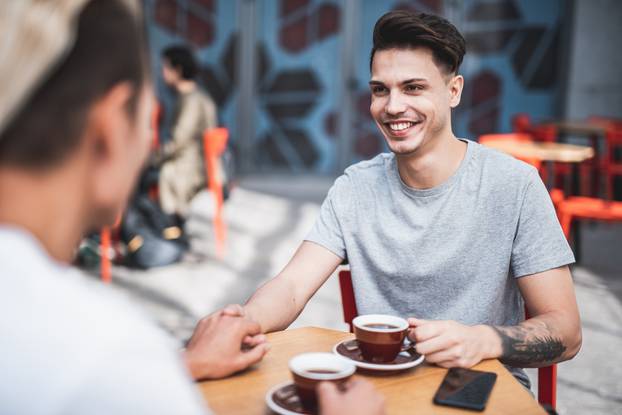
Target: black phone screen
[(465, 388)]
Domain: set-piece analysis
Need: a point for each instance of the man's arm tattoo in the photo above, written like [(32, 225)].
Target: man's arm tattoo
[(526, 346)]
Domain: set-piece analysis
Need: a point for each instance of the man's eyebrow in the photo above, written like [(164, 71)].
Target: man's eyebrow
[(413, 80), (404, 82)]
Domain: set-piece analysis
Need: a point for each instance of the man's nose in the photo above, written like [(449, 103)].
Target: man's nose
[(395, 104)]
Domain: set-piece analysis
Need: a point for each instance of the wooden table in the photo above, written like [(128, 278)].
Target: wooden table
[(406, 393), (578, 127), (556, 152), (596, 132)]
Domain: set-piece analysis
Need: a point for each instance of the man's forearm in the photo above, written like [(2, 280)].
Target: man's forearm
[(273, 305), (536, 342)]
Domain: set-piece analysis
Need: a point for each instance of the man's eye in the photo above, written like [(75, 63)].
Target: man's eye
[(413, 88), (378, 89)]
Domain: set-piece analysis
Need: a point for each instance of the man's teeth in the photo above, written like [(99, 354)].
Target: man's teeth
[(399, 126)]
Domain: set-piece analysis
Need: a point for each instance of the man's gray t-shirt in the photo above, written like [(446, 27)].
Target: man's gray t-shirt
[(452, 252)]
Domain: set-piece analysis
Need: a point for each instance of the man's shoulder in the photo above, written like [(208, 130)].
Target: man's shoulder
[(367, 170), (371, 166), (62, 322), (501, 167), (61, 308)]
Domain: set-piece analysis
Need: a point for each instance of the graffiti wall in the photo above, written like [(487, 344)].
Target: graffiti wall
[(512, 65)]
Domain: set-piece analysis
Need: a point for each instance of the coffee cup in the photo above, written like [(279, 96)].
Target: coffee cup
[(309, 369), (380, 336)]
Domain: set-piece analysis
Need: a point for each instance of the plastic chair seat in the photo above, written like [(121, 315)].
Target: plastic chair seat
[(587, 208)]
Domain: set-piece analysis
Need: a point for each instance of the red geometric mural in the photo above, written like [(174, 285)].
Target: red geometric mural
[(193, 20), (303, 24)]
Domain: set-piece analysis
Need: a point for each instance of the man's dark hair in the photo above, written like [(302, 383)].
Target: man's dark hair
[(403, 29), (182, 59), (109, 48)]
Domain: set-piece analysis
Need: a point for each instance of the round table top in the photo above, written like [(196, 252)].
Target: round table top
[(565, 153)]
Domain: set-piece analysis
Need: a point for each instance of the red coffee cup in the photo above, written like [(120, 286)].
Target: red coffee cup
[(309, 369), (380, 336)]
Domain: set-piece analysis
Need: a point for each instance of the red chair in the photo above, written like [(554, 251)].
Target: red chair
[(104, 255), (521, 123), (610, 163), (214, 145), (590, 208), (156, 119), (106, 237), (547, 376)]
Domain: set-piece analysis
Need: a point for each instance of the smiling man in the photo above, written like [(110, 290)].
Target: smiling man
[(455, 236)]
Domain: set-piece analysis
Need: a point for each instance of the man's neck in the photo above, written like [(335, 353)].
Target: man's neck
[(47, 206), (432, 165)]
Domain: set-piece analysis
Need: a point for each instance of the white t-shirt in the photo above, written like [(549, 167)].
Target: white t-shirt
[(69, 345)]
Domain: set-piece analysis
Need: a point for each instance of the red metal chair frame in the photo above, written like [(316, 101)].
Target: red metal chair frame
[(608, 164), (521, 123), (107, 233), (547, 376), (106, 237), (214, 145)]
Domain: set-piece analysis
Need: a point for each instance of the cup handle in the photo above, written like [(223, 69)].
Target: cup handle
[(407, 346)]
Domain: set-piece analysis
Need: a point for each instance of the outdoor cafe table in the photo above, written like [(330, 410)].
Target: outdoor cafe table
[(408, 392), (544, 151), (590, 129)]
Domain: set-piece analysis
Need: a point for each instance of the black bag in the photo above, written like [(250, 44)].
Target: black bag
[(153, 238)]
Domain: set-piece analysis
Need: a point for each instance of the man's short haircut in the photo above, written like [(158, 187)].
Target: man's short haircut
[(109, 48), (403, 29), (182, 59)]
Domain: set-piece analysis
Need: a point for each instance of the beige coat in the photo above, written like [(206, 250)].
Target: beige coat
[(183, 171)]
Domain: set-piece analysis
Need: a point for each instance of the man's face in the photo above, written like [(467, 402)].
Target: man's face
[(169, 74), (411, 98), (123, 144)]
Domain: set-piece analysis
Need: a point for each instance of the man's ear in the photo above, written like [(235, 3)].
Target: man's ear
[(110, 122), (109, 128), (455, 90)]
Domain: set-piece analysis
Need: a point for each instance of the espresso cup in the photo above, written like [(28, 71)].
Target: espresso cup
[(309, 369), (380, 336)]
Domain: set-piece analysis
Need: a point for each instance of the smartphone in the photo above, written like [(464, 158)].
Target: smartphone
[(465, 388)]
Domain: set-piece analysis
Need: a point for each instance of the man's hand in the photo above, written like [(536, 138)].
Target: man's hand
[(360, 398), (451, 344), (224, 343)]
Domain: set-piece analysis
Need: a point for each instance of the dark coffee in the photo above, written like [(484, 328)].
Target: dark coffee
[(322, 371), (380, 326)]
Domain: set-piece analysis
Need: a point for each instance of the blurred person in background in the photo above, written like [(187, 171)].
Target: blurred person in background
[(182, 173), (75, 105)]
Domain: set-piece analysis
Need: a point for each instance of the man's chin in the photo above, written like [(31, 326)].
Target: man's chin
[(404, 148)]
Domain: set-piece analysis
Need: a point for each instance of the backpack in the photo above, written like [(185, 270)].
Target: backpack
[(153, 238)]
